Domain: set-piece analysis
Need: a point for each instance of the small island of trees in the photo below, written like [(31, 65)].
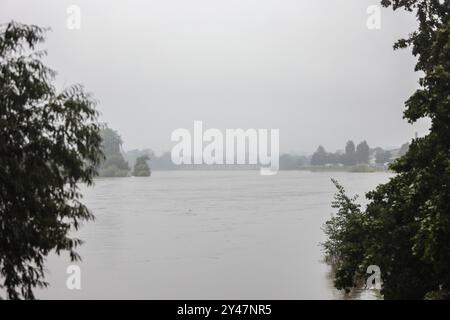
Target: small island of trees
[(141, 168)]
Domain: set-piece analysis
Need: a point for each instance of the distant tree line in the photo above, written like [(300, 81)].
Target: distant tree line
[(136, 162), (114, 164), (354, 155), (359, 154), (164, 161)]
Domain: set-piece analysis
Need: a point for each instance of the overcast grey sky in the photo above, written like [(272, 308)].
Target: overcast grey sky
[(310, 68)]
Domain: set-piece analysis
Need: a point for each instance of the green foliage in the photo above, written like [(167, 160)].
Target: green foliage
[(141, 168), (131, 155), (403, 149), (405, 229), (349, 158), (111, 141), (341, 249), (49, 142), (382, 157), (320, 157), (114, 165), (362, 153), (352, 156)]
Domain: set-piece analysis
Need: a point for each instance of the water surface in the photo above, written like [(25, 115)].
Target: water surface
[(207, 235)]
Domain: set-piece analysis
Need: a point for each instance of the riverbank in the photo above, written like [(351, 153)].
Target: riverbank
[(356, 168)]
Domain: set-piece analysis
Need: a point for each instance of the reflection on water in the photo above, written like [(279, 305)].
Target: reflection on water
[(207, 235)]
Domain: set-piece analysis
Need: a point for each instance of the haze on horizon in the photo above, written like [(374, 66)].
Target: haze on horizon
[(312, 69)]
